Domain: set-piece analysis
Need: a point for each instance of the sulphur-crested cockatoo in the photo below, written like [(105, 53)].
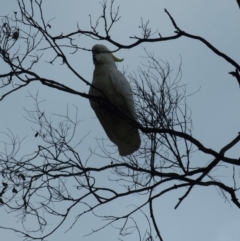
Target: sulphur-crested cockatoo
[(109, 81)]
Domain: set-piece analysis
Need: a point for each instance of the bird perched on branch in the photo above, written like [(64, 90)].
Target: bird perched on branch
[(115, 110)]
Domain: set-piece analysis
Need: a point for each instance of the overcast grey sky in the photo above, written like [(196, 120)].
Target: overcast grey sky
[(204, 215)]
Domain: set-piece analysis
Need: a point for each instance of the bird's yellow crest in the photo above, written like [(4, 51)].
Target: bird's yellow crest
[(117, 59)]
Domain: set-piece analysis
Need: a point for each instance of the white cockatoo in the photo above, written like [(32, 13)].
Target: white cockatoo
[(109, 81)]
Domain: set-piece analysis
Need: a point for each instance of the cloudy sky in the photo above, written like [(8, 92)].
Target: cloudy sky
[(204, 215)]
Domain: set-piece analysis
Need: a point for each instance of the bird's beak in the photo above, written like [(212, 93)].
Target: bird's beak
[(117, 59)]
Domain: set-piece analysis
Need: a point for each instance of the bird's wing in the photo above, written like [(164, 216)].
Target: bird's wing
[(123, 87)]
